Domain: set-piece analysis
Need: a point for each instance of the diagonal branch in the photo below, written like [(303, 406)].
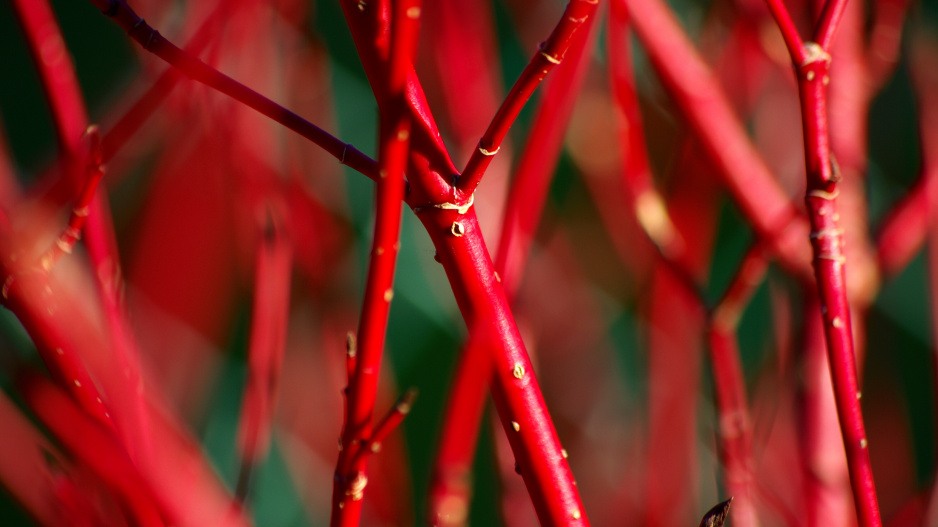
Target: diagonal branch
[(155, 43), (550, 53)]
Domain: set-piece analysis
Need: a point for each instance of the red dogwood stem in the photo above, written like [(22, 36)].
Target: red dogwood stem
[(550, 53), (735, 424), (370, 27), (350, 476), (829, 263), (155, 43), (521, 408), (449, 492)]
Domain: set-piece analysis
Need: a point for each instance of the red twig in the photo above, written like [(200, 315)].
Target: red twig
[(550, 53), (351, 477), (789, 32), (155, 43), (131, 121), (827, 25), (387, 424), (81, 209)]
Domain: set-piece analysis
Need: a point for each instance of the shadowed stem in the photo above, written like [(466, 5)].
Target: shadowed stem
[(155, 43)]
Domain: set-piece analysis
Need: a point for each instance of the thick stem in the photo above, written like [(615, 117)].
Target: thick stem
[(371, 31), (484, 306)]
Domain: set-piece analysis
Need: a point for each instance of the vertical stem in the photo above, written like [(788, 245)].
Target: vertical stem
[(735, 424), (829, 262), (350, 476), (271, 310)]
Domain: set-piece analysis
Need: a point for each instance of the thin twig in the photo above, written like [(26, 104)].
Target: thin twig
[(155, 43)]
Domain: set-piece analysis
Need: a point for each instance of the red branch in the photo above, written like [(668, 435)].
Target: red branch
[(521, 408), (812, 68), (350, 475), (155, 43), (449, 492), (550, 53)]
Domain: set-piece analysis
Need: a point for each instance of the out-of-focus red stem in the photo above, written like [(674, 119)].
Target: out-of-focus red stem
[(484, 306), (131, 121), (550, 53), (647, 203), (58, 77), (350, 475), (904, 230), (268, 340), (25, 467), (81, 209), (885, 41), (94, 447), (155, 43), (449, 489), (906, 227), (703, 103), (735, 424)]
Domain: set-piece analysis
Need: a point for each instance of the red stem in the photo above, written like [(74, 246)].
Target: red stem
[(81, 209), (368, 22), (550, 53), (350, 476), (484, 306), (155, 43), (827, 242), (827, 25), (789, 31)]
